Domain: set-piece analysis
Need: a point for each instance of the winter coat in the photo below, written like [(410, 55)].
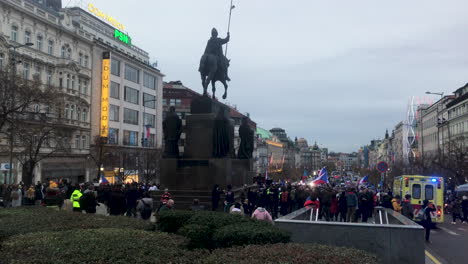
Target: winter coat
[(116, 204), (144, 203), (88, 202), (464, 205), (351, 199), (396, 205), (455, 207), (407, 209), (342, 203), (16, 198), (261, 214), (334, 205)]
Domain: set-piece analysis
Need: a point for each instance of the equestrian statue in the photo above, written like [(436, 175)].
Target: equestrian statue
[(214, 64)]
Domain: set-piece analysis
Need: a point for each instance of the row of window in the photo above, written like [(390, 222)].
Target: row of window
[(458, 111), (133, 74), (130, 138), (459, 128), (75, 84), (81, 142), (79, 114), (172, 102), (65, 51), (131, 116), (132, 95)]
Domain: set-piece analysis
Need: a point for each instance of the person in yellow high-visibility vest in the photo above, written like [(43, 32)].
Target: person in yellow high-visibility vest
[(75, 199)]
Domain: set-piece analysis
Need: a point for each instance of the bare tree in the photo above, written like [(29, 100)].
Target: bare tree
[(30, 118), (18, 95), (149, 162), (453, 159)]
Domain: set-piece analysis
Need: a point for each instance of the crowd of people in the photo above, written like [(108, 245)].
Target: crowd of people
[(122, 199), (267, 200)]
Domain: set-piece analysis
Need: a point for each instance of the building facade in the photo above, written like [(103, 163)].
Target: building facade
[(67, 52), (61, 57)]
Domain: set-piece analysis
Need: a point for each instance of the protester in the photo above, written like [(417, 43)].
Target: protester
[(464, 207), (88, 201), (455, 208), (75, 199), (16, 196), (351, 202), (215, 197), (6, 194), (284, 203), (343, 206), (117, 203), (229, 199), (396, 203), (39, 193), (237, 209), (196, 206), (31, 195), (169, 205), (407, 207), (131, 197), (334, 208), (425, 218), (261, 214), (145, 207), (247, 207)]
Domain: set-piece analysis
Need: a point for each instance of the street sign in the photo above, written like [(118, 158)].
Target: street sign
[(382, 166), (4, 166)]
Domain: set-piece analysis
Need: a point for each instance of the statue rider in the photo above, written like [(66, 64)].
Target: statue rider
[(215, 47)]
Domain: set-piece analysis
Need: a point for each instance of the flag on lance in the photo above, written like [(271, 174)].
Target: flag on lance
[(322, 177), (364, 180)]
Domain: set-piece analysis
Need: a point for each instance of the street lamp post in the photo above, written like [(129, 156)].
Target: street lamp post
[(441, 94), (13, 62)]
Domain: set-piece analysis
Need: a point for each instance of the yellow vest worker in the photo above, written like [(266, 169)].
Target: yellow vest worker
[(75, 199)]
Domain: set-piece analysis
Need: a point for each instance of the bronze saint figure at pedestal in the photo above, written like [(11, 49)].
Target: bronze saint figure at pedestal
[(246, 135), (172, 128)]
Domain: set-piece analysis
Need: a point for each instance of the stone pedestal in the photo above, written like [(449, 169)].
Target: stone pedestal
[(198, 169), (202, 174)]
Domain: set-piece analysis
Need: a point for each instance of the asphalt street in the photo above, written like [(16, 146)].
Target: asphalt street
[(449, 243)]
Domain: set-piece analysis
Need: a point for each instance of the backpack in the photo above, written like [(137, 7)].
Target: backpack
[(421, 215), (146, 212), (284, 197)]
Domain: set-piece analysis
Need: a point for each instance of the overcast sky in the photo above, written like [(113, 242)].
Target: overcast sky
[(332, 71)]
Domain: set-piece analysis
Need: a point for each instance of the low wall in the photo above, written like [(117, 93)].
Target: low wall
[(402, 241)]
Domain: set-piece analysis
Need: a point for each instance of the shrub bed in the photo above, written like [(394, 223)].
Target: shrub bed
[(209, 230), (36, 219), (290, 253), (253, 233), (171, 221), (105, 245)]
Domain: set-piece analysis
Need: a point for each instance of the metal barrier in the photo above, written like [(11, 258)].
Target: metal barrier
[(383, 215)]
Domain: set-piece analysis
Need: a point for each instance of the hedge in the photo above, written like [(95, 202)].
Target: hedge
[(209, 230), (240, 234), (170, 221), (24, 220), (105, 245), (290, 253)]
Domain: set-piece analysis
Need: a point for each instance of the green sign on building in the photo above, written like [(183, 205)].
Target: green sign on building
[(122, 37)]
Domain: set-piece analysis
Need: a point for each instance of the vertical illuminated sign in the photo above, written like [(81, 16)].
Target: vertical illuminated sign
[(105, 94)]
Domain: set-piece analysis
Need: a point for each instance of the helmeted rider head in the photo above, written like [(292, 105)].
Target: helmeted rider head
[(214, 32)]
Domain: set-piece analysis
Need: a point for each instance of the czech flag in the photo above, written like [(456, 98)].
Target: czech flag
[(322, 177), (103, 179), (364, 180)]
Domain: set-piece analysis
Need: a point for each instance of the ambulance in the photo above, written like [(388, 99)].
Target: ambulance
[(422, 188)]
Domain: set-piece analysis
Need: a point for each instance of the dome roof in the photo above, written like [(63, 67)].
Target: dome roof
[(265, 134)]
